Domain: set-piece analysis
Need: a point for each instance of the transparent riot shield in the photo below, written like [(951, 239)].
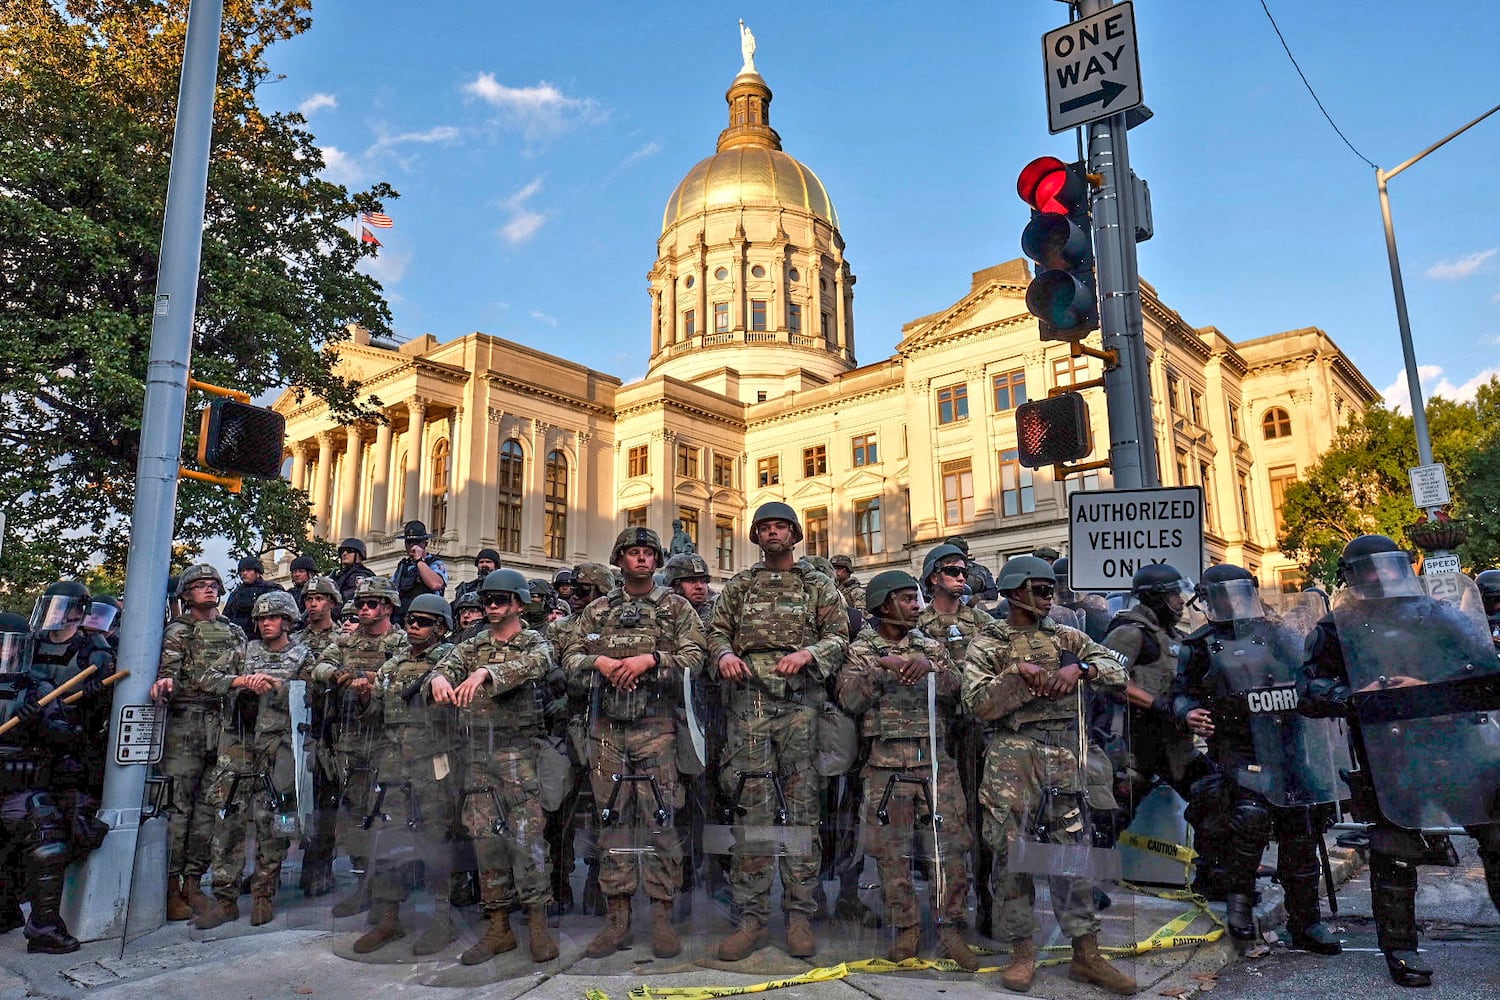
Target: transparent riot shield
[(1296, 758), (1426, 684)]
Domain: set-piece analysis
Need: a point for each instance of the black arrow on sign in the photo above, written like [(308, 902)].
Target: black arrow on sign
[(1108, 91)]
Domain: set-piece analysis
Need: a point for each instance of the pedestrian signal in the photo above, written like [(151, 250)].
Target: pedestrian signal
[(242, 439), (1053, 430)]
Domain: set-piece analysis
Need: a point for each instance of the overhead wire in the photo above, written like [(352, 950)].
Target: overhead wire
[(1310, 90)]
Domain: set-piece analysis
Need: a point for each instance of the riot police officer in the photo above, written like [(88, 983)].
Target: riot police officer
[(486, 561), (1488, 583), (352, 568), (252, 583)]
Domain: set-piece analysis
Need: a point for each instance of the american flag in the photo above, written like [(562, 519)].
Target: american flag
[(377, 219), (366, 236)]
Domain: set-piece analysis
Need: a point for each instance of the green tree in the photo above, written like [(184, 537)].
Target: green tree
[(1360, 485), (88, 94)]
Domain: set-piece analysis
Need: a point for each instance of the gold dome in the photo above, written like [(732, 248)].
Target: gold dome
[(749, 175)]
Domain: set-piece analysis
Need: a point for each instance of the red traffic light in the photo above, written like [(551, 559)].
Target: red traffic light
[(1049, 185), (1053, 430)]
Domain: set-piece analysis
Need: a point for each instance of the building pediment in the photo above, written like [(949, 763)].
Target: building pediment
[(861, 479), (993, 301), (814, 489)]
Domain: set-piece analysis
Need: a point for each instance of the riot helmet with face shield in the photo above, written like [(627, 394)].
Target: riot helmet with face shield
[(63, 604)]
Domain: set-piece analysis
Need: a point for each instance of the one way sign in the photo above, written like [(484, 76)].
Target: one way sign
[(1092, 68)]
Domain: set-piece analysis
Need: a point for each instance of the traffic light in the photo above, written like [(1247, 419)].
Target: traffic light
[(1053, 431), (1063, 295), (243, 439)]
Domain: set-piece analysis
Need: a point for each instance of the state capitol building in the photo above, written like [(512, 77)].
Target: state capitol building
[(754, 392)]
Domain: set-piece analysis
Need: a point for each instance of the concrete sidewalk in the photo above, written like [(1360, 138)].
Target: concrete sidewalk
[(305, 952)]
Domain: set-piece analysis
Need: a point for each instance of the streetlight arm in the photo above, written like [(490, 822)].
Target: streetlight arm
[(1388, 174)]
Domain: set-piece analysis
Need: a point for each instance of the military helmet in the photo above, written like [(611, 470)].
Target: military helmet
[(564, 578), (543, 588), (1017, 571), (353, 545), (685, 566), (194, 573), (377, 586), (958, 542), (321, 585), (348, 611), (1060, 567), (506, 581), (1154, 578), (1362, 548), (276, 602), (596, 575), (820, 563), (775, 511), (250, 563), (937, 555), (843, 561), (884, 585), (1488, 583), (468, 599), (1229, 593), (431, 604), (491, 554), (632, 537), (307, 563)]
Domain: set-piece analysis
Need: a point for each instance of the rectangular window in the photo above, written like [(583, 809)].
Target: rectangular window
[(827, 325), (768, 471), (1291, 581), (1182, 469), (723, 470), (689, 518), (721, 317), (687, 461), (757, 314), (794, 318), (1206, 480), (1172, 390), (1070, 371), (1234, 419), (1244, 492), (724, 542), (1017, 492), (867, 526), (1081, 483), (814, 461), (638, 460), (866, 450), (1282, 476), (690, 323), (958, 492), (635, 517), (953, 403), (1195, 407), (906, 503), (815, 521), (1010, 390), (511, 489)]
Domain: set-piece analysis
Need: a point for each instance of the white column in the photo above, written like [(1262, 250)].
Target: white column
[(349, 492), (380, 472), (416, 461), (322, 482), (299, 465)]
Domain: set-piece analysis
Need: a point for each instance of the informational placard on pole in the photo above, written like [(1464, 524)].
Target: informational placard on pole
[(1093, 69), (1435, 563), (1429, 485), (1113, 533), (139, 734)]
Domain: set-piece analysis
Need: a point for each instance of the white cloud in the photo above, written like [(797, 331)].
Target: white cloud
[(524, 223), (539, 111), (1435, 383), (386, 267), (1463, 267), (648, 150), (542, 317), (438, 133), (518, 200), (317, 102), (339, 167)]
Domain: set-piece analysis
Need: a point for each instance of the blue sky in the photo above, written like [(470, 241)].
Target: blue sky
[(534, 148)]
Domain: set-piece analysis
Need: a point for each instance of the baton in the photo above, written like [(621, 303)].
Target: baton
[(53, 695), (1333, 900), (77, 696)]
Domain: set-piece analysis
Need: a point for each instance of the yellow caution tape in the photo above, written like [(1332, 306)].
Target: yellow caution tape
[(1170, 935), (1167, 849)]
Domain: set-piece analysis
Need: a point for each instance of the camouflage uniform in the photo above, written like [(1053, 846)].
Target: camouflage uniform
[(500, 765), (194, 720), (255, 744), (635, 732), (893, 719), (761, 616), (319, 749), (1033, 747)]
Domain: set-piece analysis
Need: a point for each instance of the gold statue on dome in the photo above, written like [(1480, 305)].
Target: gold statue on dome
[(747, 48)]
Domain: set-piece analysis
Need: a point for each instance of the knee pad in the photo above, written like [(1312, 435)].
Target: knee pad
[(1251, 821)]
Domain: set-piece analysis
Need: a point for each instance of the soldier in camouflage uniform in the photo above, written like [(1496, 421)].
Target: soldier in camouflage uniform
[(1024, 677), (357, 732), (418, 767), (320, 601), (848, 583), (884, 683), (631, 647), (497, 681), (255, 747), (777, 633), (688, 576), (191, 643)]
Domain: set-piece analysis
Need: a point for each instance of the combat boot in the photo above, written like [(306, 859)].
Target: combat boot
[(317, 878), (1407, 968), (498, 938), (1239, 910), (357, 901), (1021, 969), (749, 937), (1088, 966), (439, 934), (543, 943), (177, 904), (664, 942), (615, 934), (799, 936), (222, 911), (853, 909), (263, 886), (192, 890), (262, 910), (387, 929), (1303, 923), (906, 943), (46, 934), (957, 948)]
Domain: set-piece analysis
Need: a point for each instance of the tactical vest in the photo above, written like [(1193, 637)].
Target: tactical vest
[(900, 710), (266, 713), (777, 618), (1156, 665), (1040, 648), (508, 717), (628, 627), (396, 680), (408, 582), (204, 643), (364, 653), (954, 634)]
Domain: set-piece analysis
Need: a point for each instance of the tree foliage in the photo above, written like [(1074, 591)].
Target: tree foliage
[(88, 95), (1360, 485)]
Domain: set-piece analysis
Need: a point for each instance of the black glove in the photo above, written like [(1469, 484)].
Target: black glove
[(1162, 705), (28, 712)]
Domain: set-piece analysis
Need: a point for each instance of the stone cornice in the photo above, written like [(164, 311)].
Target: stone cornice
[(504, 381)]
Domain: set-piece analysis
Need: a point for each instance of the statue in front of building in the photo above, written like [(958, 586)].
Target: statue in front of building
[(681, 542)]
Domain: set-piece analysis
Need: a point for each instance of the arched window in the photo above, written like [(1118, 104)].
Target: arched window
[(511, 478), (1277, 423), (442, 462), (555, 510)]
